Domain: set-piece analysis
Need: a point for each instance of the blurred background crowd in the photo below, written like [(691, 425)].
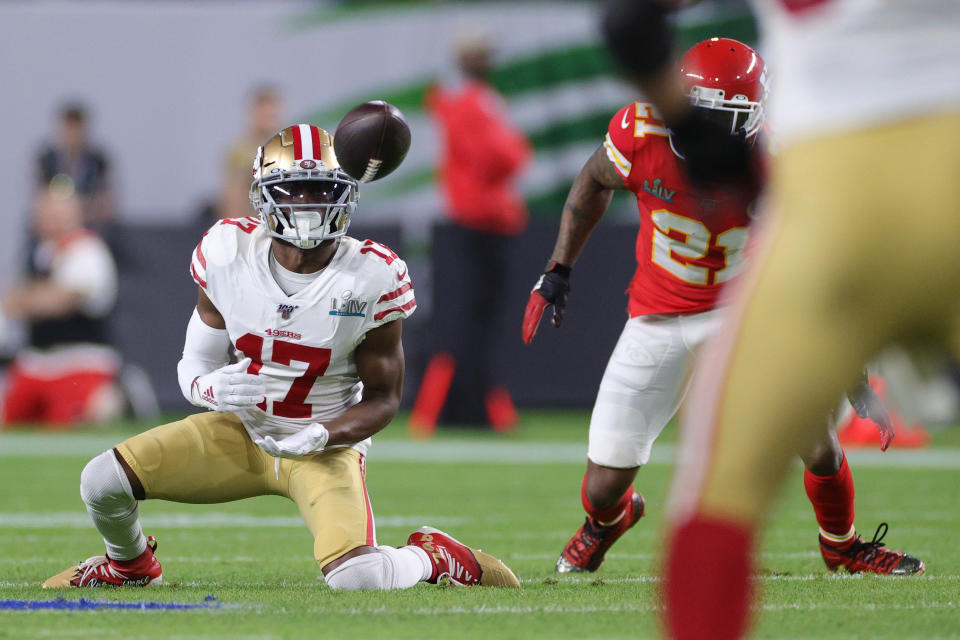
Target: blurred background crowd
[(129, 128)]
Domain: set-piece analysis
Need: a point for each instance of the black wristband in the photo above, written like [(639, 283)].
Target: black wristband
[(639, 35), (555, 267)]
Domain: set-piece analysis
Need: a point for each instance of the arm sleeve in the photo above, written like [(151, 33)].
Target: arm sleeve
[(205, 349)]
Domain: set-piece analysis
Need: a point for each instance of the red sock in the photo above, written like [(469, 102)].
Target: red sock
[(501, 411), (432, 395), (832, 499), (610, 514), (708, 587)]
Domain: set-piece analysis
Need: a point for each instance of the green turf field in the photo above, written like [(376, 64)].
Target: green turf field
[(247, 567)]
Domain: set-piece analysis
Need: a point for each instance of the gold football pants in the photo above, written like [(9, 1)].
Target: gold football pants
[(862, 250), (208, 458)]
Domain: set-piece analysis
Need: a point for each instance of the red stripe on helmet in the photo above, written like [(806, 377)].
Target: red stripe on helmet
[(315, 134), (297, 143)]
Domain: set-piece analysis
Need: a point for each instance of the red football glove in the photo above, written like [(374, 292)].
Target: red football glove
[(551, 289)]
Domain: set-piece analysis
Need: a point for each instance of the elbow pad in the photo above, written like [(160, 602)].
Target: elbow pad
[(639, 35), (205, 349)]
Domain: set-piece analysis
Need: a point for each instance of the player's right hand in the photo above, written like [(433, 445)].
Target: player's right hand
[(228, 388), (551, 289)]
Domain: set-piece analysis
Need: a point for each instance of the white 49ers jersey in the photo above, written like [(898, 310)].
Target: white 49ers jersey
[(302, 345), (852, 64)]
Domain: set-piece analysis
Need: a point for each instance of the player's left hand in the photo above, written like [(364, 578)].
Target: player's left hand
[(869, 406), (311, 439), (551, 289)]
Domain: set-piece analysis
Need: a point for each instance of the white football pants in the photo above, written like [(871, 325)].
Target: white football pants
[(644, 383)]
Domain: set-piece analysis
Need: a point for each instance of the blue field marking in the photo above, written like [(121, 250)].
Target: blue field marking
[(62, 604)]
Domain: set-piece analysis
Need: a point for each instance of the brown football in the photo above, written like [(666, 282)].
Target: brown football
[(371, 140)]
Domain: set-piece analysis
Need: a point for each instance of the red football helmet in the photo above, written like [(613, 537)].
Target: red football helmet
[(729, 77)]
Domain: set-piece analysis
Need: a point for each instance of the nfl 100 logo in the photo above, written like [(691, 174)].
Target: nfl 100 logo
[(285, 310)]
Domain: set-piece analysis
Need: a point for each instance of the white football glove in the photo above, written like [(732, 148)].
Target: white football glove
[(228, 388), (311, 439)]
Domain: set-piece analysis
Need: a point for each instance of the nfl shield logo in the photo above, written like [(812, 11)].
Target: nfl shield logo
[(285, 310)]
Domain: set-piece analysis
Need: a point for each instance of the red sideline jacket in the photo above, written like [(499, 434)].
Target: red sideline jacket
[(482, 155)]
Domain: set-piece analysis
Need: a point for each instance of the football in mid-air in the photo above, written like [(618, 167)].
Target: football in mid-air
[(371, 140)]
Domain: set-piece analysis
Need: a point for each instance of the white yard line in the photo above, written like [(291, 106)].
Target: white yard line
[(177, 559), (206, 520), (645, 556), (485, 610), (28, 445), (560, 579)]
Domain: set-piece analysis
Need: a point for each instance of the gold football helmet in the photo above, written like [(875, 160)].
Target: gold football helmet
[(299, 189)]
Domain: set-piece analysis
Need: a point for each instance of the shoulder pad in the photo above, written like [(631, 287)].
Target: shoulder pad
[(220, 244), (228, 235), (618, 142)]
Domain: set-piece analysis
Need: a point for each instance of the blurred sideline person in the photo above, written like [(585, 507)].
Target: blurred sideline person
[(862, 253), (314, 318), (483, 154), (66, 374), (691, 243), (263, 120), (71, 160)]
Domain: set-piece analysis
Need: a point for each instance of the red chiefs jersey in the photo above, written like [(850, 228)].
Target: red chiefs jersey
[(690, 242)]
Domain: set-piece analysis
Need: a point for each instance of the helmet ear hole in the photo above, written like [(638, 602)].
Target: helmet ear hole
[(741, 120)]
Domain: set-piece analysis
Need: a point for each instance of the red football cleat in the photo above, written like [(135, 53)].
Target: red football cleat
[(458, 563), (586, 549), (871, 557), (100, 571)]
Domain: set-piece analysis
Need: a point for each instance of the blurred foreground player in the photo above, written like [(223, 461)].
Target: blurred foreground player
[(690, 243), (315, 319), (866, 197), (67, 371)]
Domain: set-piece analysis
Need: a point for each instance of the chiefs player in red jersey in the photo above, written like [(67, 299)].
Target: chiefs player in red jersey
[(690, 243)]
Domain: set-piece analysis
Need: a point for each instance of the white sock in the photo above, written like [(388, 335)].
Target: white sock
[(410, 562), (106, 491), (388, 568)]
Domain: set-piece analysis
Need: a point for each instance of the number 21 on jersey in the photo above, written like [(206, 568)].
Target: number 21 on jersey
[(677, 256)]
